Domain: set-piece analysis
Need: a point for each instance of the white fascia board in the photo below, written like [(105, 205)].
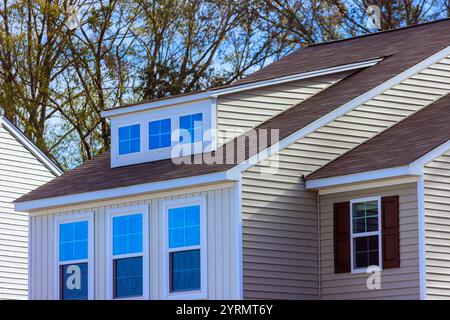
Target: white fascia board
[(430, 156), (27, 206), (296, 77), (316, 184), (30, 146), (157, 104), (342, 110), (219, 92)]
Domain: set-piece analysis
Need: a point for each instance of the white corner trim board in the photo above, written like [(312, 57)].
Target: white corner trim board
[(212, 94), (124, 191), (30, 146), (421, 229)]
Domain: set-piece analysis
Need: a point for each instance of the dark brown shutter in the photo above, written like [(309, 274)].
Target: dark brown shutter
[(390, 232), (342, 237)]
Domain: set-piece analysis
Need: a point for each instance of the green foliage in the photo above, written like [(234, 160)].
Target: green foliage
[(55, 82)]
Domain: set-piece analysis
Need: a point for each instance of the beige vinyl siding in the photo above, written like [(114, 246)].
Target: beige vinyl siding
[(396, 283), (279, 221), (277, 209), (437, 227), (222, 242), (20, 172), (239, 112)]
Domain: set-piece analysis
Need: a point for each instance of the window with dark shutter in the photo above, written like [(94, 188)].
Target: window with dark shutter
[(342, 237), (390, 232)]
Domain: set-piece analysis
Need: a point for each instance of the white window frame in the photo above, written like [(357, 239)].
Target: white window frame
[(118, 139), (206, 107), (178, 203), (147, 131), (365, 234), (125, 211), (69, 218)]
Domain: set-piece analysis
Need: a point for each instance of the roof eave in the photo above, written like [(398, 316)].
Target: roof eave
[(128, 191)]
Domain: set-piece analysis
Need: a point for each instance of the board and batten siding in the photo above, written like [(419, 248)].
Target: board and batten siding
[(20, 173), (223, 234), (437, 227), (242, 111), (396, 283), (280, 216)]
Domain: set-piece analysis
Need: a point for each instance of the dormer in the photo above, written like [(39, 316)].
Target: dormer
[(168, 128), (200, 122)]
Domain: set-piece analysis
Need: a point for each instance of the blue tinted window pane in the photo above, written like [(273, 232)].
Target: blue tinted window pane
[(159, 134), (165, 126), (74, 279), (127, 234), (185, 270), (124, 133), (153, 142), (73, 241), (129, 139), (165, 140), (191, 125), (128, 277), (184, 226)]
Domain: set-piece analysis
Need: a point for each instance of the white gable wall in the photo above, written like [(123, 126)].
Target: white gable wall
[(20, 172)]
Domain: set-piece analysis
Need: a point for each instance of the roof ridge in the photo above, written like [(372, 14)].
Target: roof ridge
[(378, 32)]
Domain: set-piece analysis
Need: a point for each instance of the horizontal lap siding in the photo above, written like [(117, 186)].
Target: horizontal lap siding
[(437, 227), (222, 237), (279, 233), (282, 196), (239, 112), (20, 172), (396, 283)]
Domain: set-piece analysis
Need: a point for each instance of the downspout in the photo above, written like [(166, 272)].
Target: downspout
[(421, 229), (319, 251)]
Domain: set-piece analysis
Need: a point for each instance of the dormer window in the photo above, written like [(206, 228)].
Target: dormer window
[(191, 127), (129, 139), (159, 134), (163, 133)]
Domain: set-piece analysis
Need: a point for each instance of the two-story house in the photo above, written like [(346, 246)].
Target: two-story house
[(288, 184), (23, 167)]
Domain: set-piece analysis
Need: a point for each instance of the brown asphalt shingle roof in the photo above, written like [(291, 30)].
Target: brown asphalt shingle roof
[(401, 50), (397, 146)]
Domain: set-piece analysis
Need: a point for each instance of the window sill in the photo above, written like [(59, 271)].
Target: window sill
[(363, 270), (190, 295)]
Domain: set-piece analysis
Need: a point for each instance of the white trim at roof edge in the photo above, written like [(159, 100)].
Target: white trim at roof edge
[(234, 173), (340, 111), (27, 206), (30, 146), (413, 169), (316, 184), (212, 94)]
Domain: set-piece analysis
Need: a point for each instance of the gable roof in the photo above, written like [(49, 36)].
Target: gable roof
[(401, 50), (397, 146), (28, 144)]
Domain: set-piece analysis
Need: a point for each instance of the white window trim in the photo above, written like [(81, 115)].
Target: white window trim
[(206, 107), (125, 211), (147, 131), (177, 203), (118, 140), (69, 218), (366, 234)]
